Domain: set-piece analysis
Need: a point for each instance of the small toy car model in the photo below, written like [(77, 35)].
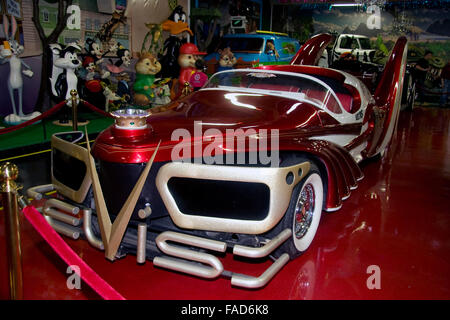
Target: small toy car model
[(247, 163)]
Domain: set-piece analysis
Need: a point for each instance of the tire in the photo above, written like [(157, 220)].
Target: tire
[(303, 215)]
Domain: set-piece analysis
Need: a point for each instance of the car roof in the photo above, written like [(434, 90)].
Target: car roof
[(264, 35), (354, 35)]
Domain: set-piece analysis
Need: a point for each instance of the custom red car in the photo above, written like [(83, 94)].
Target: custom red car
[(249, 163)]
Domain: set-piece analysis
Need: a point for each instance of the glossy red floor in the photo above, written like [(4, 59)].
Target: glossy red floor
[(398, 219)]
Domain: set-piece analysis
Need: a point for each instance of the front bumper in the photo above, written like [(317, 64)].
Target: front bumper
[(280, 181)]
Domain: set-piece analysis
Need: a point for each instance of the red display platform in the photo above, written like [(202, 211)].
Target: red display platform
[(398, 220)]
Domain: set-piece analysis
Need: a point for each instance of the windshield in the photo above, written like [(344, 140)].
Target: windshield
[(299, 87), (242, 44), (365, 43)]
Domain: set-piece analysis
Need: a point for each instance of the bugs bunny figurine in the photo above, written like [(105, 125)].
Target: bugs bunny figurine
[(9, 52)]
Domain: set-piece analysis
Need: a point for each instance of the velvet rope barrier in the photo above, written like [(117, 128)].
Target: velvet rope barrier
[(95, 109), (69, 256), (30, 122)]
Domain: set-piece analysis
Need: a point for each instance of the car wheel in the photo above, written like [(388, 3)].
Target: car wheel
[(303, 215)]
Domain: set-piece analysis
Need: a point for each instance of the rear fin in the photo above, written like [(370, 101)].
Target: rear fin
[(392, 78), (388, 94), (312, 50)]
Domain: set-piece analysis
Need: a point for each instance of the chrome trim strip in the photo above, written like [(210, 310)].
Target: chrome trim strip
[(274, 178), (346, 197), (333, 209), (265, 250), (245, 281)]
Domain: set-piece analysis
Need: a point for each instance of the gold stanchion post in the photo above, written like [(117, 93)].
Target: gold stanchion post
[(74, 95), (8, 188)]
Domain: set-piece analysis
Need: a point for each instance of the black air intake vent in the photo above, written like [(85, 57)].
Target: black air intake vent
[(221, 199)]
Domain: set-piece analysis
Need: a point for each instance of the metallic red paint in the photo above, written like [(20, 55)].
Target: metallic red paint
[(296, 125)]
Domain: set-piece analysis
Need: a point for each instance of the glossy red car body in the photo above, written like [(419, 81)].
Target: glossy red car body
[(322, 124), (296, 128)]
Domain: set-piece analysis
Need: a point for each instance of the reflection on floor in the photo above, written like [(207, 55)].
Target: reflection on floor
[(398, 220)]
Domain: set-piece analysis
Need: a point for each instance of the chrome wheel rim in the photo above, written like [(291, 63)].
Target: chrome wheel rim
[(304, 211)]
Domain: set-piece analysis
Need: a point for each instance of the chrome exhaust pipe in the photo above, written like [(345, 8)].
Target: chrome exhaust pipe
[(245, 281), (215, 266), (64, 229), (190, 267), (36, 192), (87, 229), (208, 266), (265, 250), (50, 210), (61, 205), (57, 215), (141, 254)]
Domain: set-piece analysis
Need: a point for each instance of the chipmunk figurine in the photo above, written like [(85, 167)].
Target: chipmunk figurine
[(227, 60), (189, 54), (146, 68)]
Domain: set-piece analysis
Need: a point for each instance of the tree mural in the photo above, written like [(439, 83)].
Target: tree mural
[(43, 101)]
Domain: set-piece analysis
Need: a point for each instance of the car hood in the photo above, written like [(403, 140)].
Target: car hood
[(233, 110), (215, 109)]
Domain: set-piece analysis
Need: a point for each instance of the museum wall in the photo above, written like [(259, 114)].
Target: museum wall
[(425, 28), (131, 36)]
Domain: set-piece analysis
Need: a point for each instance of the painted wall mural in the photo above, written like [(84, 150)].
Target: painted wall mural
[(425, 28)]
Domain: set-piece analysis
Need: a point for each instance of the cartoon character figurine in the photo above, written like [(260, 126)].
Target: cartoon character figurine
[(227, 60), (9, 52), (271, 50), (177, 26), (64, 78), (90, 68), (189, 54), (91, 82), (146, 69), (107, 30), (113, 100), (124, 60), (161, 92), (154, 36), (94, 50)]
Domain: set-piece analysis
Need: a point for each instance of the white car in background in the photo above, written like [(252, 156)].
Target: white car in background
[(358, 45)]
